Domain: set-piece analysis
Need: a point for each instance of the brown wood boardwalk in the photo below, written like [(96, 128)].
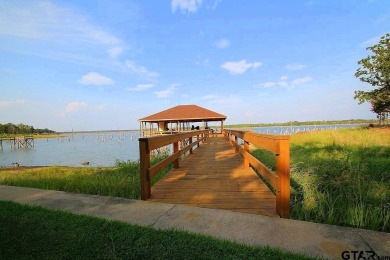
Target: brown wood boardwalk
[(215, 177)]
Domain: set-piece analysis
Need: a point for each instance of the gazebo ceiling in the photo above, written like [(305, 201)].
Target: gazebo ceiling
[(184, 113)]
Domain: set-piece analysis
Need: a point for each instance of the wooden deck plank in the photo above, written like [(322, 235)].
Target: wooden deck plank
[(214, 176)]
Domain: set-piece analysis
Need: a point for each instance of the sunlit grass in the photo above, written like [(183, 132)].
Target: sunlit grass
[(340, 177), (120, 181)]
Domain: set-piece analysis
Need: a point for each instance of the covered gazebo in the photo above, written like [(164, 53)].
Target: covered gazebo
[(178, 119)]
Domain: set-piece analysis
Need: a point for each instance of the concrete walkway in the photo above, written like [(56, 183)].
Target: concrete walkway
[(297, 236)]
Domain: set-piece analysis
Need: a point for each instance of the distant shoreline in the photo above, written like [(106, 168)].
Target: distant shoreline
[(307, 123), (35, 136), (291, 123), (99, 131)]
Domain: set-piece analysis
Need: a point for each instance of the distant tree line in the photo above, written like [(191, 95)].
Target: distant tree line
[(298, 123), (20, 129)]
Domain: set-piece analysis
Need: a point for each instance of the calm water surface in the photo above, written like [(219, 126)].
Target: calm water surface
[(288, 130), (99, 149), (104, 148)]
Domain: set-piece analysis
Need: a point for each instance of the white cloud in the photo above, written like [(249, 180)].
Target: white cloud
[(74, 106), (69, 33), (239, 67), (100, 108), (301, 81), (295, 66), (216, 3), (7, 103), (223, 43), (141, 87), (284, 83), (269, 84), (166, 92), (186, 6), (140, 70), (115, 51), (94, 78), (204, 62), (45, 20)]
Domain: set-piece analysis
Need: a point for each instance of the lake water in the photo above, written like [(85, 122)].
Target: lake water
[(104, 148), (99, 149), (288, 130)]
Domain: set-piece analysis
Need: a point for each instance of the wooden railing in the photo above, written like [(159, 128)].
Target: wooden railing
[(148, 144), (279, 145)]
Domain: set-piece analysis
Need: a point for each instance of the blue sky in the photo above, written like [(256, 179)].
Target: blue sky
[(100, 65)]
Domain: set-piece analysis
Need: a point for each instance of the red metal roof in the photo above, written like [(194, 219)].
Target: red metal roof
[(191, 113)]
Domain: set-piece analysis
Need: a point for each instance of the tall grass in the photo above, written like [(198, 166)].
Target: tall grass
[(340, 177), (123, 180)]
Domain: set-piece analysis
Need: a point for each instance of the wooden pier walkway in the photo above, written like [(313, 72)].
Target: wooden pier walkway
[(214, 176), (219, 173)]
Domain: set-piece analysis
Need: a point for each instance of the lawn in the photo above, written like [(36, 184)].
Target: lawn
[(33, 232)]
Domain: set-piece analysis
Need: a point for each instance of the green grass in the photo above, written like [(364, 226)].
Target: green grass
[(33, 232), (340, 177), (120, 181)]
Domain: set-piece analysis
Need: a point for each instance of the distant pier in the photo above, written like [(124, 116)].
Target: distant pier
[(18, 142)]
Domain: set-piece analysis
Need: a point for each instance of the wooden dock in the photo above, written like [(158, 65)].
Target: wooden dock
[(18, 142), (219, 173), (214, 176)]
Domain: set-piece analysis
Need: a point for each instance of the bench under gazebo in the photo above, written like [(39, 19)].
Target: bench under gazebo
[(179, 119)]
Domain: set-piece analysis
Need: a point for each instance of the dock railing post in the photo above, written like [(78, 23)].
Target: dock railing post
[(246, 148), (190, 142), (236, 141), (175, 150), (283, 171), (144, 168)]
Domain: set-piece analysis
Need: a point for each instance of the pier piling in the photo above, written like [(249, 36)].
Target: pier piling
[(18, 142)]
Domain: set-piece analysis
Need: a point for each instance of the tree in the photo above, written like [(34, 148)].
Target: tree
[(12, 129), (375, 70)]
